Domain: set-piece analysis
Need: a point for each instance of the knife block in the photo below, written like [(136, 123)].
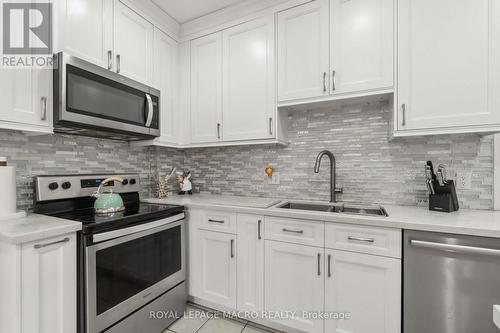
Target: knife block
[(445, 199)]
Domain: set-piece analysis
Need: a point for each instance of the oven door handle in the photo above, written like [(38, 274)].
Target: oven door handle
[(150, 111), (97, 238)]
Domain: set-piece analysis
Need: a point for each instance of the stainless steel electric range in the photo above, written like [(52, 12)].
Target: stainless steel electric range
[(130, 263)]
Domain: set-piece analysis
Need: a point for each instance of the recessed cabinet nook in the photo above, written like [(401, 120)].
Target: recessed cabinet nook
[(230, 78)]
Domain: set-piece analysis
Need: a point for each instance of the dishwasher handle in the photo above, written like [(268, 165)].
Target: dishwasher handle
[(455, 248)]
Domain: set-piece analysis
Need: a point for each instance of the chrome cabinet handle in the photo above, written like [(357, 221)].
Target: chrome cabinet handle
[(329, 265), (403, 121), (110, 60), (216, 221), (293, 231), (44, 108), (118, 65), (359, 239), (218, 131), (319, 264), (271, 126), (259, 235), (456, 248), (324, 82), (40, 246), (149, 117), (333, 80), (232, 248)]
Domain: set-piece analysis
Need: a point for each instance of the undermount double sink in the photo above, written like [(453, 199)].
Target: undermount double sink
[(367, 210)]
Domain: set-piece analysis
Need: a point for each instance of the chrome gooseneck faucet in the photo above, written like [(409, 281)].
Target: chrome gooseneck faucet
[(332, 172)]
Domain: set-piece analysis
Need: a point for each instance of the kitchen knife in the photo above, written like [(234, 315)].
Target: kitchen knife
[(429, 164)]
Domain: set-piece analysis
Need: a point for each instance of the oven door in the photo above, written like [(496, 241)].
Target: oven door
[(92, 97), (127, 272)]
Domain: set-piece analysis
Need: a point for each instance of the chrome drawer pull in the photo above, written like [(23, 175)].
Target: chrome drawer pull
[(319, 264), (216, 221), (367, 240), (232, 248), (293, 231), (40, 246), (329, 265), (259, 234)]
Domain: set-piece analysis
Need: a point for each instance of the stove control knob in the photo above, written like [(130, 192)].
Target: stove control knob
[(125, 182), (132, 181), (53, 186), (66, 185)]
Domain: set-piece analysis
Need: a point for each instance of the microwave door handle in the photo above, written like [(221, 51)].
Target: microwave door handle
[(149, 117)]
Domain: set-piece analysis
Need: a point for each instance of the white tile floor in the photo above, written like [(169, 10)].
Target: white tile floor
[(196, 320)]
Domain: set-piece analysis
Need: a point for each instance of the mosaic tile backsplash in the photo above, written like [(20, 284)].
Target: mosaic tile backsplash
[(61, 154), (370, 168)]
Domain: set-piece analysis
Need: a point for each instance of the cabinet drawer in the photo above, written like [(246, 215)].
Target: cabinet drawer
[(295, 231), (364, 239), (218, 221)]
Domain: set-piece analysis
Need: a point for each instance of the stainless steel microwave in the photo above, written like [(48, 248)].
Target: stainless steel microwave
[(93, 101)]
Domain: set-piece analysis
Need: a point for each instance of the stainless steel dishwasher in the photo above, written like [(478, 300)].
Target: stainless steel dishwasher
[(451, 283)]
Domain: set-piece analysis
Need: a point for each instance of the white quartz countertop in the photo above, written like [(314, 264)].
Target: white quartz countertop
[(466, 222), (34, 227)]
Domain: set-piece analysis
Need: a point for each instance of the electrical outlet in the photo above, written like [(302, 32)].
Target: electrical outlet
[(464, 180), (275, 179)]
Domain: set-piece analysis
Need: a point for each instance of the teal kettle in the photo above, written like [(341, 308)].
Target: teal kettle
[(108, 202)]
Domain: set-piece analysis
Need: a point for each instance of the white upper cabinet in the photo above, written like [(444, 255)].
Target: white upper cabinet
[(249, 106), (367, 286), (362, 45), (330, 49), (250, 270), (206, 89), (88, 30), (164, 79), (303, 51), (26, 99), (294, 281), (133, 44), (449, 66)]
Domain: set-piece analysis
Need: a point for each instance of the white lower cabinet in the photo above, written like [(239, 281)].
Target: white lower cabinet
[(39, 286), (295, 282), (217, 267), (367, 287), (253, 268), (250, 271)]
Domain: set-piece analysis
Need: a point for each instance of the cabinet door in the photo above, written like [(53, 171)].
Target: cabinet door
[(294, 282), (303, 51), (362, 44), (49, 285), (449, 64), (206, 88), (25, 96), (88, 30), (249, 106), (250, 263), (133, 41), (366, 286), (164, 79), (218, 268)]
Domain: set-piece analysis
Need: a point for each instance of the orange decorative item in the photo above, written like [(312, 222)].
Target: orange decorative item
[(269, 171)]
